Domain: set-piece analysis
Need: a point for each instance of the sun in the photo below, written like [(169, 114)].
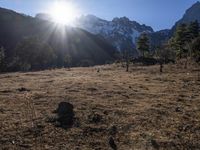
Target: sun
[(63, 12)]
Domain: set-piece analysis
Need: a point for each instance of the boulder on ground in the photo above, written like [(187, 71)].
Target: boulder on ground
[(65, 114)]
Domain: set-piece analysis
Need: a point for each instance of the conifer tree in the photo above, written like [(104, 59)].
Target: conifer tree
[(143, 44), (67, 60), (178, 42), (2, 58), (186, 41), (34, 54), (196, 49), (193, 30)]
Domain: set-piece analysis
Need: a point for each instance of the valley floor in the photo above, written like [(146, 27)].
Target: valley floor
[(142, 109)]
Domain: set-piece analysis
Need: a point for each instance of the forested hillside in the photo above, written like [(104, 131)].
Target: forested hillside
[(67, 46)]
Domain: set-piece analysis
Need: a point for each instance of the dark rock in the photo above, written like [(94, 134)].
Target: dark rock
[(65, 114), (112, 143), (22, 89), (92, 89), (105, 112), (178, 109), (65, 120), (64, 108), (155, 144), (113, 130)]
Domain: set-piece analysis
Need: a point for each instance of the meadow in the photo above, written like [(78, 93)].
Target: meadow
[(139, 109)]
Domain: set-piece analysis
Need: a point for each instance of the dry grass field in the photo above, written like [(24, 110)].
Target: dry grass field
[(141, 109)]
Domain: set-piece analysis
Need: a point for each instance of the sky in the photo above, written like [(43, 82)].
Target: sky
[(159, 14)]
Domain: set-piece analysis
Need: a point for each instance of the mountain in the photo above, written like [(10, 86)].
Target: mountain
[(123, 33), (120, 32), (43, 16), (160, 37), (191, 14), (91, 38), (81, 45)]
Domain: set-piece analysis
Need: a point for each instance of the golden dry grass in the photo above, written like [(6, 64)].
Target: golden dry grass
[(150, 110)]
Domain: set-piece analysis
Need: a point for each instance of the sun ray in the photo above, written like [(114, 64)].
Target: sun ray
[(63, 12)]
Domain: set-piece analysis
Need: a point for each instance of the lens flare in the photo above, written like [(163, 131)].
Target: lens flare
[(63, 12)]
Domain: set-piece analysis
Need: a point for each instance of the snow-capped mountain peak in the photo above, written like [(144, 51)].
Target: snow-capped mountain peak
[(119, 32)]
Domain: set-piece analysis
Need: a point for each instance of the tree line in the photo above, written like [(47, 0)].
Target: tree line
[(31, 54), (184, 44), (186, 41), (32, 44)]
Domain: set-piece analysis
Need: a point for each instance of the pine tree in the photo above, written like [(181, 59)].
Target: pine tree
[(2, 58), (143, 44), (196, 49), (67, 61), (193, 30), (178, 42), (165, 53), (33, 54), (192, 34), (186, 41)]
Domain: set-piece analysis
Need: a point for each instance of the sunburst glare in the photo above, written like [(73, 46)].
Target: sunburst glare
[(63, 12)]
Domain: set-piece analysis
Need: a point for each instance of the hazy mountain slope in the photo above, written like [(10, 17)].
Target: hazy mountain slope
[(191, 14), (160, 37), (80, 44)]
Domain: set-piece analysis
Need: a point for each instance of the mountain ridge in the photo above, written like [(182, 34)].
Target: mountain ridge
[(156, 38), (120, 32), (191, 14)]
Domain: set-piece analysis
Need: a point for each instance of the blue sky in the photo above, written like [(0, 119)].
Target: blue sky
[(160, 14)]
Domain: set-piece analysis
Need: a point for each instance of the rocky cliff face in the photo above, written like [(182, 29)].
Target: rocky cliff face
[(120, 32)]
